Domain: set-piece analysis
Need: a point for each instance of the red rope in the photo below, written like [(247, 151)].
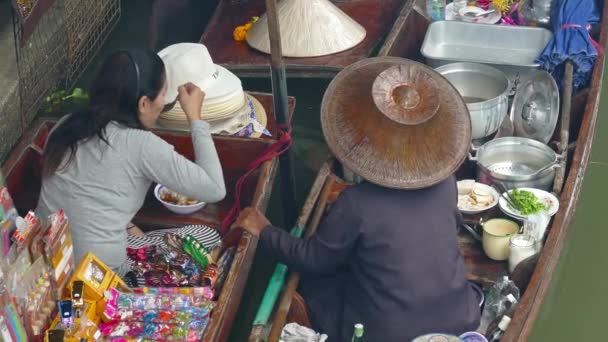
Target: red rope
[(273, 151)]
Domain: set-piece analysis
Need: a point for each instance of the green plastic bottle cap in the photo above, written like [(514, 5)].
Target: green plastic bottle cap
[(358, 330)]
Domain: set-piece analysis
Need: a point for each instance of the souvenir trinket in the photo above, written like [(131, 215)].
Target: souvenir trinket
[(66, 313), (196, 250)]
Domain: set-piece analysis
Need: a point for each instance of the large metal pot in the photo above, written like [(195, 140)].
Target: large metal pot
[(535, 12), (516, 163), (485, 90)]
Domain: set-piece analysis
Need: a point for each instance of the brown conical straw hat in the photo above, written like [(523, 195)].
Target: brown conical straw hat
[(309, 28), (395, 122)]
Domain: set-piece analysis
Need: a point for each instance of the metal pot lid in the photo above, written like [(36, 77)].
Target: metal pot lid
[(535, 107)]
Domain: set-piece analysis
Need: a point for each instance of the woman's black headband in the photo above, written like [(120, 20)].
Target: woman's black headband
[(136, 67)]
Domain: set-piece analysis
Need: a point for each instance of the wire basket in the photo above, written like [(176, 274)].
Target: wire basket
[(40, 59), (60, 47), (88, 24)]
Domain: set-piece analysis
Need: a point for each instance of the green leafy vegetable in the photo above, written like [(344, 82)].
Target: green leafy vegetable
[(55, 100), (527, 202)]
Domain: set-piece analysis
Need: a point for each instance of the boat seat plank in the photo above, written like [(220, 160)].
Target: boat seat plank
[(377, 16)]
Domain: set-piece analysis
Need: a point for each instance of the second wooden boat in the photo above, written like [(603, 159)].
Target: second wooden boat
[(22, 172), (376, 16), (573, 140)]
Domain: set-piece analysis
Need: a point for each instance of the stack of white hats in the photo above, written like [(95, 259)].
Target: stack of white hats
[(227, 108)]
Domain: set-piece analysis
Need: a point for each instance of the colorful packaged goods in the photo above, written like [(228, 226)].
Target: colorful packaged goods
[(168, 314), (90, 289), (223, 265), (8, 217), (96, 276), (26, 230), (28, 290), (13, 329), (137, 331), (58, 248), (159, 267), (7, 206)]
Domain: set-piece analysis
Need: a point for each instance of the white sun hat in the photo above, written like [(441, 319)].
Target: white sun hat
[(191, 62)]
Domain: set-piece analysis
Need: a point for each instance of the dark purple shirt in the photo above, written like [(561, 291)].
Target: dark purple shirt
[(386, 258)]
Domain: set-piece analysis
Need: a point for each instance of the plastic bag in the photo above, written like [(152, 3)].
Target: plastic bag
[(495, 303), (536, 226)]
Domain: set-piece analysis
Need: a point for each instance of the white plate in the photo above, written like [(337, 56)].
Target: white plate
[(542, 195), (464, 187), (491, 18)]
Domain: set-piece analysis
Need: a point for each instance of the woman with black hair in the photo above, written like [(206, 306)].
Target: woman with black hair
[(100, 161)]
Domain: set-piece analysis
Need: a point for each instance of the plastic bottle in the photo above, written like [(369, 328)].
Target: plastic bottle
[(507, 307), (436, 9), (495, 299), (358, 333), (502, 327)]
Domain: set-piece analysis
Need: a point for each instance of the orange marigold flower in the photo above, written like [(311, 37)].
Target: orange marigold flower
[(240, 33)]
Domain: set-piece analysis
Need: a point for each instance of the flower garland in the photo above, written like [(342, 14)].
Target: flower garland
[(504, 6), (240, 32), (483, 4)]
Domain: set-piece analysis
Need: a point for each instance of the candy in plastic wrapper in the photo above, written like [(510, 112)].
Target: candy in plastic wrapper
[(150, 316), (208, 293), (137, 301), (121, 329), (136, 329), (210, 275), (167, 317)]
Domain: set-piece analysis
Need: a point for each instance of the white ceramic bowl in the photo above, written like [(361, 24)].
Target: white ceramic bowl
[(466, 186), (472, 10), (544, 196), (178, 209)]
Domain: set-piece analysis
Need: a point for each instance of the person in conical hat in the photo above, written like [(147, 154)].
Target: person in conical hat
[(386, 255)]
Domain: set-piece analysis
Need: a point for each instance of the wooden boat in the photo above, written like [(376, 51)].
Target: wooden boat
[(533, 277), (377, 16), (22, 172)]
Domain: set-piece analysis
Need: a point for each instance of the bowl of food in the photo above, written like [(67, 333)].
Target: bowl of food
[(175, 202), (474, 198), (522, 202)]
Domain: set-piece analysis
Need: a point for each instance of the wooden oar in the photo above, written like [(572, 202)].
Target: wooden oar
[(281, 109), (560, 173), (277, 280), (294, 278)]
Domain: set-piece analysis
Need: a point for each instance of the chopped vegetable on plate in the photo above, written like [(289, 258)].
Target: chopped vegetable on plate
[(527, 202)]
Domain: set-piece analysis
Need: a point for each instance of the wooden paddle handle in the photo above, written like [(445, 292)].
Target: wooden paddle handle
[(560, 173)]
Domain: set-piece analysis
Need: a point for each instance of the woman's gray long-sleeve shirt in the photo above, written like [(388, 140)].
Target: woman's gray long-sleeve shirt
[(104, 186)]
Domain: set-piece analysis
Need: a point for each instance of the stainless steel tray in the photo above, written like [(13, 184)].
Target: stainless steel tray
[(511, 49)]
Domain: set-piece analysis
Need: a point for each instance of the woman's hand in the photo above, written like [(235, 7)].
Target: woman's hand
[(252, 220), (191, 100)]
